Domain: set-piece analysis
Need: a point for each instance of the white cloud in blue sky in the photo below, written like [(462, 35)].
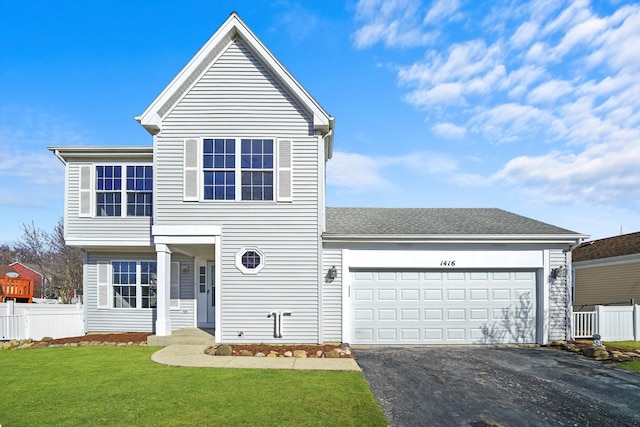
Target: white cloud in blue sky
[(532, 107)]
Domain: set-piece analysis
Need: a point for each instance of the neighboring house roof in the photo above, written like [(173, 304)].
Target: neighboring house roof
[(233, 28), (626, 244), (27, 266), (4, 269), (436, 222)]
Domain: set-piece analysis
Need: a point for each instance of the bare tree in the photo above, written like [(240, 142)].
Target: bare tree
[(60, 264)]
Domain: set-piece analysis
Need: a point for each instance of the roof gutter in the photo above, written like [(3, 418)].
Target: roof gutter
[(570, 239)]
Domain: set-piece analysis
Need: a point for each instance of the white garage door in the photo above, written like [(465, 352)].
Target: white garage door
[(443, 307)]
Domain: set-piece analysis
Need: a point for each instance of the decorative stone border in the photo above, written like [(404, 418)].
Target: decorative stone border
[(227, 350), (28, 343), (599, 352)]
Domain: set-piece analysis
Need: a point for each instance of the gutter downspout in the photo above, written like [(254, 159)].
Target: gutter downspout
[(568, 260)]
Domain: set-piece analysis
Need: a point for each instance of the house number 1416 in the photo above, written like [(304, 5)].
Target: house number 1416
[(447, 263)]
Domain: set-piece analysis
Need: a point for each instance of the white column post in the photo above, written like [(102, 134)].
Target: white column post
[(163, 321)]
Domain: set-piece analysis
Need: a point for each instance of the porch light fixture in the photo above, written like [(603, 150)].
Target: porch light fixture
[(331, 274), (184, 268), (558, 273)]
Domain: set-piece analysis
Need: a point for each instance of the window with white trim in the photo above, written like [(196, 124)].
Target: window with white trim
[(237, 169), (110, 193), (229, 177), (134, 284), (250, 260)]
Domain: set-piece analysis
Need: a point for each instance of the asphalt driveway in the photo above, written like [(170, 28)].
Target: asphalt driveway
[(483, 386)]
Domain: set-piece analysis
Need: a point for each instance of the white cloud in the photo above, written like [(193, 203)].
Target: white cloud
[(601, 174), (395, 23), (355, 173), (561, 79), (549, 91), (524, 34), (360, 173), (441, 10), (449, 130)]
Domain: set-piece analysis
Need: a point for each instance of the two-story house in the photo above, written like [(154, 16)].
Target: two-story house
[(221, 223)]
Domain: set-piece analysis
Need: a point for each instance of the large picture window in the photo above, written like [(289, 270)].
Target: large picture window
[(134, 284), (110, 193)]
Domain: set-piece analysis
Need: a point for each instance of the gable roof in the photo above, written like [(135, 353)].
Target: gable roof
[(4, 269), (232, 28), (438, 222), (626, 244)]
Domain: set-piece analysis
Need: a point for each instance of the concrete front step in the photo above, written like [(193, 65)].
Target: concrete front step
[(186, 336)]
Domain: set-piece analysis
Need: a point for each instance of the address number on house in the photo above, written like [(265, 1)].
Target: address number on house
[(448, 263)]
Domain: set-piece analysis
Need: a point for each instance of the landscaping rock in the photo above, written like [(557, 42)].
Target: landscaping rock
[(272, 355), (288, 354), (259, 354), (319, 353), (40, 344), (597, 352), (245, 353), (300, 354), (224, 350), (333, 354)]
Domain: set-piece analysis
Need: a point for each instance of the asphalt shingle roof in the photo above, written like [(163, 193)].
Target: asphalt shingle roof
[(626, 244), (434, 221)]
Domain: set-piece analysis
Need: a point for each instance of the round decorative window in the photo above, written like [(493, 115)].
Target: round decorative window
[(250, 260)]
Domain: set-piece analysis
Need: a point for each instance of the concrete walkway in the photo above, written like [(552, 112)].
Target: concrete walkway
[(194, 356)]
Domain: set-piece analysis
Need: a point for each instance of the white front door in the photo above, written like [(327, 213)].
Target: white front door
[(206, 295)]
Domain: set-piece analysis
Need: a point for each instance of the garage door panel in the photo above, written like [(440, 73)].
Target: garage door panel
[(386, 295), (363, 294), (387, 314), (410, 294), (433, 314), (433, 294), (409, 314), (455, 314), (456, 295), (479, 294), (452, 307)]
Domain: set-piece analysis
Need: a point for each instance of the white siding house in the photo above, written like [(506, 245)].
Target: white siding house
[(221, 224)]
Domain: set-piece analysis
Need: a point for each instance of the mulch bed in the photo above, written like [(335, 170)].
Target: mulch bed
[(141, 337), (125, 337)]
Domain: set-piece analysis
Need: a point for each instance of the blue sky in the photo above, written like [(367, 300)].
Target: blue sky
[(532, 107)]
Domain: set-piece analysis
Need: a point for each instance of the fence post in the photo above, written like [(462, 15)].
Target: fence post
[(636, 322), (599, 327), (11, 307)]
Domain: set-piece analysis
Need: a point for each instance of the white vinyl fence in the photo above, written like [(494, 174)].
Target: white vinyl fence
[(36, 321), (612, 323)]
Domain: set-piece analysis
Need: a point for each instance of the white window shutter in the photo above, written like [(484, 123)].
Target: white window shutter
[(190, 181), (175, 286), (285, 175), (84, 199), (103, 284)]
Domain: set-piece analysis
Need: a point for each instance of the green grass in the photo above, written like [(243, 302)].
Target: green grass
[(631, 366), (121, 386), (628, 345)]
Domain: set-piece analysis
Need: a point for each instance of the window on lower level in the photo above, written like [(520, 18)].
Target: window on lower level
[(134, 284)]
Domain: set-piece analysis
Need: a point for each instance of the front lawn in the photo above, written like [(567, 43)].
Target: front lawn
[(121, 386), (628, 346)]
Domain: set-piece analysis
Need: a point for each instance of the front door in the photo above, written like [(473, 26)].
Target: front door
[(206, 295)]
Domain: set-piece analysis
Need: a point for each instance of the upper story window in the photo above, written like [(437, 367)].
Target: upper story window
[(231, 177), (137, 191)]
